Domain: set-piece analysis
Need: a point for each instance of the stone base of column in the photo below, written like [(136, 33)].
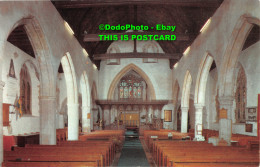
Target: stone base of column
[(225, 131), (199, 138)]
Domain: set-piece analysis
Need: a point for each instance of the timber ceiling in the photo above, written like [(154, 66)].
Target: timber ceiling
[(188, 16), (84, 17)]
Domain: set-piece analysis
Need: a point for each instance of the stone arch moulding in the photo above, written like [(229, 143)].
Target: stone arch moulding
[(94, 94), (238, 37), (42, 53), (85, 89), (70, 77), (202, 77), (186, 90), (175, 93), (123, 72), (84, 84)]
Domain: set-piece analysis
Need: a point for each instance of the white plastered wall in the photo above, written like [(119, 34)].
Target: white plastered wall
[(26, 123)]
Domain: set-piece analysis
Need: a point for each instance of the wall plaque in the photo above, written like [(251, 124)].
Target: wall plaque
[(167, 115)]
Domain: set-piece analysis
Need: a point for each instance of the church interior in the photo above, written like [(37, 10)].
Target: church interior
[(82, 85)]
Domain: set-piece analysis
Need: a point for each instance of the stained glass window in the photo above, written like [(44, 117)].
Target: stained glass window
[(126, 92), (121, 92), (241, 96), (139, 93), (130, 86)]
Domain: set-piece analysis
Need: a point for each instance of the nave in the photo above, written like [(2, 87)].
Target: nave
[(70, 98), (124, 148)]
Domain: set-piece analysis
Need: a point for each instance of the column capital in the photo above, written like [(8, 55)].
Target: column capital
[(198, 106), (184, 108)]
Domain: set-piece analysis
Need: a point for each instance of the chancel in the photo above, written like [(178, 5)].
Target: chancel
[(130, 83)]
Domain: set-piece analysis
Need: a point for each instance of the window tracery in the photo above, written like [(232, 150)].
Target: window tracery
[(131, 87)]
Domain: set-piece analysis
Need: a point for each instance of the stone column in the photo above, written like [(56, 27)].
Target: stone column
[(198, 122), (47, 120), (225, 124), (86, 115), (184, 119), (1, 122), (73, 121)]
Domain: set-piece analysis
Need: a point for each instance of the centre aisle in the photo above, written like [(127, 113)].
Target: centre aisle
[(132, 153)]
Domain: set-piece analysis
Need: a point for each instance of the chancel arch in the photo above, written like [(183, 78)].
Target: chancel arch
[(72, 96)]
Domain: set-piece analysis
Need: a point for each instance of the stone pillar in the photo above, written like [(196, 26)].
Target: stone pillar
[(73, 121), (184, 119), (47, 120), (225, 124), (198, 122), (86, 115), (1, 123)]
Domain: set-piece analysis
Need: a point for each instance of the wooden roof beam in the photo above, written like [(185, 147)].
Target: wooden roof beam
[(96, 37), (175, 56), (178, 3)]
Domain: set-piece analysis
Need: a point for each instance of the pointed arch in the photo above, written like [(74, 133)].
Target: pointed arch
[(84, 85), (72, 96), (230, 58), (47, 82), (202, 77), (186, 90), (70, 77), (123, 72), (42, 53), (175, 92)]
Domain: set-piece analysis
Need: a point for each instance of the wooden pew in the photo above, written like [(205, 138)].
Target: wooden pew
[(214, 164), (173, 153), (106, 147), (50, 164)]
